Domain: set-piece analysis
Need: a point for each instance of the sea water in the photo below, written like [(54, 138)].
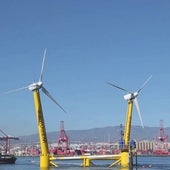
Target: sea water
[(143, 163)]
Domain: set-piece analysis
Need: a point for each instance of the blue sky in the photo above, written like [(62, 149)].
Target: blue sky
[(88, 43)]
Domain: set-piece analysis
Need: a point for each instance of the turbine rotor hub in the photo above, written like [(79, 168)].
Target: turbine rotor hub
[(131, 96), (35, 86)]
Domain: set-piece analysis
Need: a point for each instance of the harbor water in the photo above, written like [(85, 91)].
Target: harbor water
[(143, 163)]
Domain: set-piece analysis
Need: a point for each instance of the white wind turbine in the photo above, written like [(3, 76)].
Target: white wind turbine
[(45, 157), (132, 96), (38, 85)]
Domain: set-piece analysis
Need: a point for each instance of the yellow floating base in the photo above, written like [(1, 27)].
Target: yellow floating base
[(124, 159), (44, 161)]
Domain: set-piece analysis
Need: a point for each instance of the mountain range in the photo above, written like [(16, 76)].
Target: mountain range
[(103, 134)]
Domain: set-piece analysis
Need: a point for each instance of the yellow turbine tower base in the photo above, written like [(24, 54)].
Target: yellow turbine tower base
[(124, 159), (86, 162), (44, 161)]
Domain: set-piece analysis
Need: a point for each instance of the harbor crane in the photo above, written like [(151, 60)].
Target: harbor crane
[(7, 139), (63, 141), (161, 143)]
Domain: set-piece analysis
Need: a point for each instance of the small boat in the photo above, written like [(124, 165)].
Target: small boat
[(7, 159)]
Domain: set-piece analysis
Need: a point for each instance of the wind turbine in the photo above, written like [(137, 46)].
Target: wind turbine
[(38, 85), (45, 157), (133, 96), (130, 97)]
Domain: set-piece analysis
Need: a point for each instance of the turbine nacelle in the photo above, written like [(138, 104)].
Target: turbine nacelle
[(131, 96), (35, 86)]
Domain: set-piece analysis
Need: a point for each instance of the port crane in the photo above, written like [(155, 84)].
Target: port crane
[(161, 144), (130, 97), (7, 139), (63, 142), (45, 157)]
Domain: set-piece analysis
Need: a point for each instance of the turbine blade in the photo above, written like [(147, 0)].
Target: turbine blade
[(49, 95), (138, 110), (3, 133), (15, 90), (118, 87), (144, 83), (42, 66)]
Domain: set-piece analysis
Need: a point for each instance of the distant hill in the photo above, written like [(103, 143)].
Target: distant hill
[(104, 134)]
